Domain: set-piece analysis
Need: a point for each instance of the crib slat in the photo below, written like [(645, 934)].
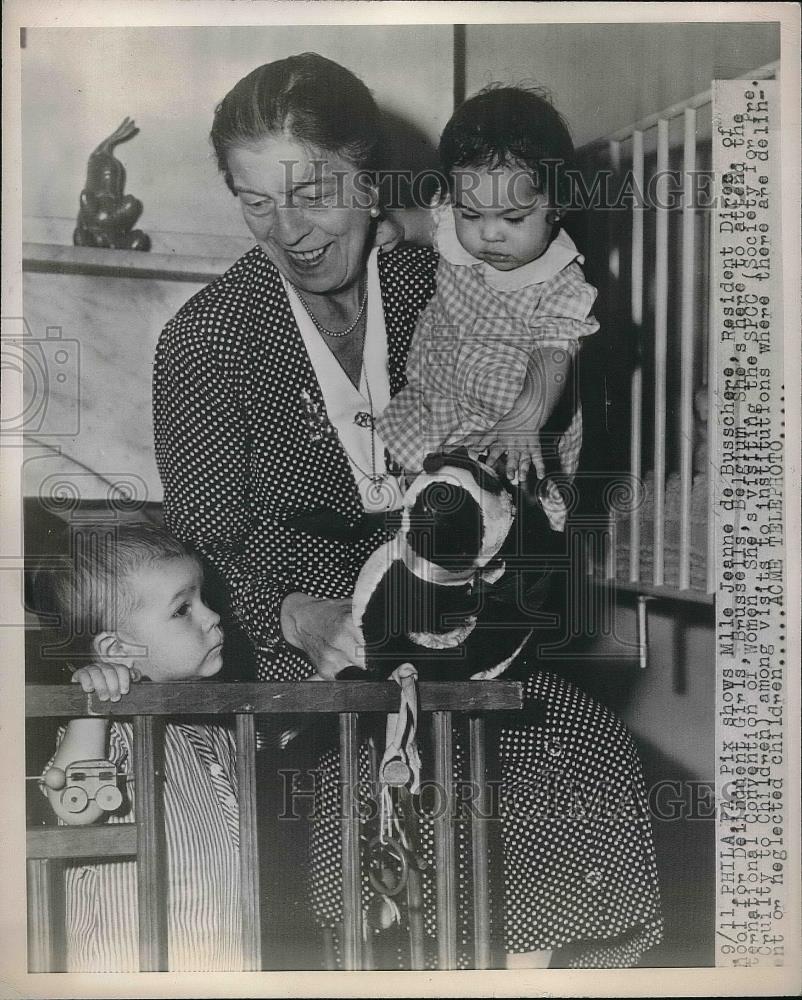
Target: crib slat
[(613, 243), (151, 880), (352, 883), (444, 842), (686, 351), (481, 880), (660, 348), (40, 911), (248, 844), (417, 931), (329, 952), (636, 383), (643, 630), (613, 295)]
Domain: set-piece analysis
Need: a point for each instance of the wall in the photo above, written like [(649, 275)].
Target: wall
[(668, 704), (94, 426), (604, 76), (78, 85)]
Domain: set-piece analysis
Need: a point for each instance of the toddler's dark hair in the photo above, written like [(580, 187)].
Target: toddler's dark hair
[(90, 594), (511, 127)]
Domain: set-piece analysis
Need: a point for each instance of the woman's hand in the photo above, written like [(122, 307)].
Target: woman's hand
[(109, 681), (324, 629)]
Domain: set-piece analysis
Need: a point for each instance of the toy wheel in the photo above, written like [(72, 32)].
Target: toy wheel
[(109, 797), (74, 800)]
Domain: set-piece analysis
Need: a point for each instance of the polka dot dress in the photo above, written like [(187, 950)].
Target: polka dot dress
[(578, 856), (579, 875), (243, 453)]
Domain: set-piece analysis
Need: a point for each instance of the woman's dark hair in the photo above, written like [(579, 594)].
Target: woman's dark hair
[(313, 99), (511, 127)]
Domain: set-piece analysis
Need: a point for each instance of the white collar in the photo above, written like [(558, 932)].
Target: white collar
[(343, 401), (559, 254)]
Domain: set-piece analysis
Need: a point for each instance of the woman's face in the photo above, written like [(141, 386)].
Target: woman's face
[(310, 212)]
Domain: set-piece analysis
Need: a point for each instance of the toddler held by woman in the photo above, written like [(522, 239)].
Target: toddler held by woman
[(492, 356)]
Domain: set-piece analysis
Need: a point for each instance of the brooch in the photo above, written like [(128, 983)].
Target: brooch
[(364, 419), (316, 418)]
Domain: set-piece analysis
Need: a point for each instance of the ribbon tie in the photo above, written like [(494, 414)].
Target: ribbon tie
[(400, 765)]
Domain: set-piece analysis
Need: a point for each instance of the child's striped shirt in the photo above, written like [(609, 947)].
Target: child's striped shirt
[(202, 877)]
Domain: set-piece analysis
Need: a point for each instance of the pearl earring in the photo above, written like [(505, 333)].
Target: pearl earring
[(552, 218), (375, 211)]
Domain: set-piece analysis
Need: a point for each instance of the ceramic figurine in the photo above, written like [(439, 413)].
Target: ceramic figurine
[(107, 216)]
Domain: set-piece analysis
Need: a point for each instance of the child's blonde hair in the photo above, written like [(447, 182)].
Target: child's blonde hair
[(89, 595)]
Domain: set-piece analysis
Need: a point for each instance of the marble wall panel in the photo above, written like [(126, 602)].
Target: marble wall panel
[(88, 365)]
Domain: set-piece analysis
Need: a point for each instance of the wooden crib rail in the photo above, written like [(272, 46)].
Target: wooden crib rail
[(146, 703), (270, 698)]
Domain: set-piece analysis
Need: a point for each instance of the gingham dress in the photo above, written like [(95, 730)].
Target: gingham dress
[(472, 344), (203, 907), (241, 455)]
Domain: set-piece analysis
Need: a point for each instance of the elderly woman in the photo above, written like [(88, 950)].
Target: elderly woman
[(266, 385)]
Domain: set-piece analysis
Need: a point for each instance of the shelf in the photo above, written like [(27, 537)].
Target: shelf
[(51, 258)]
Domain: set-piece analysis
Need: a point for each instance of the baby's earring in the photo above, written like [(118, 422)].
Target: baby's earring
[(375, 211), (552, 218)]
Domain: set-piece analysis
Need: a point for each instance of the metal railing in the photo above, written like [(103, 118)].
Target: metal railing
[(652, 268)]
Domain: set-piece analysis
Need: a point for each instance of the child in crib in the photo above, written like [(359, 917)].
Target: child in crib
[(493, 351), (139, 601)]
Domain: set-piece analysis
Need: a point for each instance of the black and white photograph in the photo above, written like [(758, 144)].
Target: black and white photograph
[(369, 630)]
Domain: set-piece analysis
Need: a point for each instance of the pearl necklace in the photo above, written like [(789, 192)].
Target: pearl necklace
[(362, 418), (319, 325)]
